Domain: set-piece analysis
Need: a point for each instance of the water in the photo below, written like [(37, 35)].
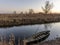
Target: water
[(28, 30)]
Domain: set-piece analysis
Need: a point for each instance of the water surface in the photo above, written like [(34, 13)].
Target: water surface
[(28, 30)]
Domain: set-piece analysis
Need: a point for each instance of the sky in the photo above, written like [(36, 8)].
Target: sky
[(24, 5)]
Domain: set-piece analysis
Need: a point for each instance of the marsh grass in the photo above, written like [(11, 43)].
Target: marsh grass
[(7, 20)]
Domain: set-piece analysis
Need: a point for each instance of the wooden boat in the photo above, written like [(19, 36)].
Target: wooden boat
[(38, 37)]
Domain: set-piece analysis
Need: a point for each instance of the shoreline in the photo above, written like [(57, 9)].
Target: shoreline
[(10, 20)]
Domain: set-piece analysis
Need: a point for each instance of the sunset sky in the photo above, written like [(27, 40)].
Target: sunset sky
[(7, 6)]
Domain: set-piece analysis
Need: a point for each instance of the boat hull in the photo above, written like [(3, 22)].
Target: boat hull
[(46, 33), (39, 40)]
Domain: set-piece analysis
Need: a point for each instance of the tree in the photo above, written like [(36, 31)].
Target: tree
[(31, 11), (48, 6), (21, 13), (14, 12)]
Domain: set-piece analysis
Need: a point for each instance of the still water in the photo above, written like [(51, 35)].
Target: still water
[(28, 30)]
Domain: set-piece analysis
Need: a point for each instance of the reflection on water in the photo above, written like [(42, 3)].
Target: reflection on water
[(28, 30), (47, 26)]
